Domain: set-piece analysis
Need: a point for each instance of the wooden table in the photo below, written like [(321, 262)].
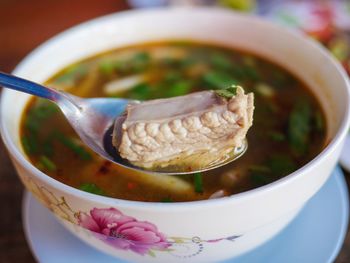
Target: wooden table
[(24, 24)]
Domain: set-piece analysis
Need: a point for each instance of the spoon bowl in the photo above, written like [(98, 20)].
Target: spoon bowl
[(93, 121)]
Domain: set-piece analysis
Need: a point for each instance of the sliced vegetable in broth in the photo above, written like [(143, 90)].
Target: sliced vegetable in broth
[(288, 128)]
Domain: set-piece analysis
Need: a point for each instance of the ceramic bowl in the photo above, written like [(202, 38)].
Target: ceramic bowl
[(201, 231)]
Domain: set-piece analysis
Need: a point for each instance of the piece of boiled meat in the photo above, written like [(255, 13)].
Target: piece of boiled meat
[(190, 131)]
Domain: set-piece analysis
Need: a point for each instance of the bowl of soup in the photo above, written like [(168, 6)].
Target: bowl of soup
[(300, 122)]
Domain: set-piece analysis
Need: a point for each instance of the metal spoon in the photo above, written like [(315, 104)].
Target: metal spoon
[(93, 121)]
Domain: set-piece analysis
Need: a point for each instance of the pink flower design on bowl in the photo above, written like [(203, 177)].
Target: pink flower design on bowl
[(123, 232)]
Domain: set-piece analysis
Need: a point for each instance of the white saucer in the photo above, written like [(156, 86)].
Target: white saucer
[(316, 235)]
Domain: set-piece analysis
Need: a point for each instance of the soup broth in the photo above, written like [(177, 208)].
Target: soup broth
[(288, 128)]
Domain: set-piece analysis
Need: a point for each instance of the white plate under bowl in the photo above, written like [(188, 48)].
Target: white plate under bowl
[(316, 235)]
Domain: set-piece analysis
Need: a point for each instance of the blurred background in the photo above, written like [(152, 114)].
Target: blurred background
[(24, 24)]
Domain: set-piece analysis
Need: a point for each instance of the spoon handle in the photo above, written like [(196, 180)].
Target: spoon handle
[(16, 83)]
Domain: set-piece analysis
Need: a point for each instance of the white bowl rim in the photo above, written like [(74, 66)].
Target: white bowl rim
[(340, 134)]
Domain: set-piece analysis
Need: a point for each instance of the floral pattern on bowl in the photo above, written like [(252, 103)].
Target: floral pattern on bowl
[(113, 227), (125, 232)]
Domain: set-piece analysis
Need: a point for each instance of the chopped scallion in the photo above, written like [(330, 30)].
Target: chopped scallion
[(179, 88), (227, 93), (281, 165), (251, 73), (30, 144), (141, 91), (218, 80), (299, 127), (72, 73), (277, 136), (319, 122), (77, 149), (32, 124), (107, 67), (260, 179), (220, 61), (198, 182), (140, 61), (166, 200), (91, 188), (172, 76), (47, 163)]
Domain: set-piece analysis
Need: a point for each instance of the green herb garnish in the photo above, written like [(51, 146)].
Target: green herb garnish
[(260, 179), (47, 145), (251, 73), (198, 182), (281, 165), (319, 122), (260, 174), (76, 148), (72, 73), (220, 61), (299, 127), (32, 124), (30, 144), (44, 109), (91, 188), (227, 93), (166, 200), (47, 163), (48, 148), (141, 91), (140, 61), (172, 76), (179, 88), (275, 167), (107, 67), (277, 136), (218, 80)]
